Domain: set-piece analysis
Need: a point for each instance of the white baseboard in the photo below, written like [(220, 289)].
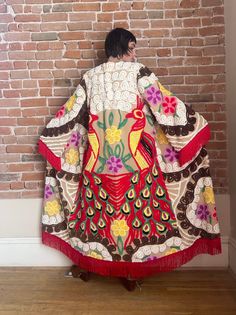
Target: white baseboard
[(232, 254), (29, 252)]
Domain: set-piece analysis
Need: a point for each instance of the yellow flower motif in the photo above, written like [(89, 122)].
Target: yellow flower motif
[(161, 138), (72, 156), (209, 195), (171, 251), (94, 254), (113, 134), (70, 102), (119, 228), (164, 91), (52, 207)]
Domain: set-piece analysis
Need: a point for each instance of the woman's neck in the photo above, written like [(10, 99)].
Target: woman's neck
[(114, 59)]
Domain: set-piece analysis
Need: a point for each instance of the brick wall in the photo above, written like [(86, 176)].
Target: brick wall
[(45, 45)]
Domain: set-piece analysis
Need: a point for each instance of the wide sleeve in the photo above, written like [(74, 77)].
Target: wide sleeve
[(186, 130), (64, 139)]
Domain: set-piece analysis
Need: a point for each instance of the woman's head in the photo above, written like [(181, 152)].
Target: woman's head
[(120, 43)]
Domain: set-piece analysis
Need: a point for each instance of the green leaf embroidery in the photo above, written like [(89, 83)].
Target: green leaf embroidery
[(120, 245), (102, 160), (126, 157), (122, 123), (111, 119), (129, 168), (150, 121), (110, 151), (117, 150), (101, 125), (100, 169)]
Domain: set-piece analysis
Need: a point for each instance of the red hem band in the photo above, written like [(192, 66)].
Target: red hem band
[(134, 270)]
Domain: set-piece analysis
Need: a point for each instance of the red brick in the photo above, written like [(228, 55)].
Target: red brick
[(33, 102), (192, 22), (29, 112), (27, 18), (30, 121), (105, 17), (86, 7), (21, 167), (5, 131), (45, 27), (80, 26), (211, 3), (17, 185), (19, 149), (33, 176), (83, 16), (71, 36), (102, 26), (52, 17), (112, 6), (214, 30), (189, 3)]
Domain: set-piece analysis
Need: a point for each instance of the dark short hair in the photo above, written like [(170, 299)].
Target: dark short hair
[(117, 42)]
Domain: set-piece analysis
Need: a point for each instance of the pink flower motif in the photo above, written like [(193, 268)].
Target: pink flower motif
[(151, 258), (114, 164), (61, 112), (171, 155), (169, 105), (202, 212), (153, 95)]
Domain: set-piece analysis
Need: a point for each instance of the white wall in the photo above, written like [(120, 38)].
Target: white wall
[(230, 26)]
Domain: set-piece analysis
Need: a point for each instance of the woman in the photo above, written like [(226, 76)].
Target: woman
[(128, 191)]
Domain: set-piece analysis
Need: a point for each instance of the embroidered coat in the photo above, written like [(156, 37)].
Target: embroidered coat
[(128, 190)]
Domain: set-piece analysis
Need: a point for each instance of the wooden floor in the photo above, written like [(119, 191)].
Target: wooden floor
[(46, 291)]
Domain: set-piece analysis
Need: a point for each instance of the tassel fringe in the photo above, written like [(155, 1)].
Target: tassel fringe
[(131, 269)]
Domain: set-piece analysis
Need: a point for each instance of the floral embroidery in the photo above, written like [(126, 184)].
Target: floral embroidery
[(119, 228), (75, 138), (94, 254), (61, 112), (202, 212), (113, 134), (215, 214), (72, 156), (161, 138), (209, 195), (153, 95), (114, 164), (171, 155), (52, 207), (70, 103), (151, 258), (48, 191), (164, 91), (169, 105), (171, 251)]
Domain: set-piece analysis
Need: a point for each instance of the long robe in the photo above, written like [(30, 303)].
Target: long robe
[(128, 191)]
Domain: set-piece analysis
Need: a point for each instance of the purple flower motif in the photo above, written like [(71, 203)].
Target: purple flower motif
[(75, 138), (114, 164), (47, 191), (202, 212), (153, 95), (171, 154)]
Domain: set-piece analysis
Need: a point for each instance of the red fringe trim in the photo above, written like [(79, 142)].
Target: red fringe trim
[(132, 269), (189, 151), (49, 156)]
